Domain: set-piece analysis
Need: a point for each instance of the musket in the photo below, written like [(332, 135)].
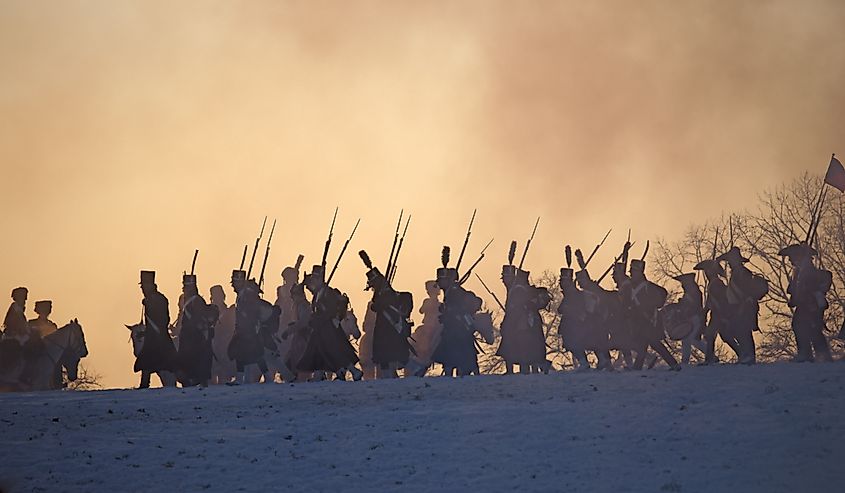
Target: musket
[(342, 251), (266, 254), (255, 249), (395, 241), (398, 250), (645, 251), (624, 258), (491, 292), (243, 259), (329, 240), (622, 255), (465, 277), (596, 249), (466, 240), (194, 262), (528, 244)]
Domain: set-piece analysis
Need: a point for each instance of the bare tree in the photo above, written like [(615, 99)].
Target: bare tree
[(86, 379), (782, 217)]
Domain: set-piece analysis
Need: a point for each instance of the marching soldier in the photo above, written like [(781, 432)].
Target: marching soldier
[(298, 331), (287, 306), (222, 368), (597, 336), (716, 305), (573, 328), (158, 353), (365, 344), (196, 353), (15, 324), (692, 310), (329, 349), (642, 298), (246, 347), (745, 290), (456, 350), (426, 335), (515, 322), (807, 290), (392, 328), (619, 327)]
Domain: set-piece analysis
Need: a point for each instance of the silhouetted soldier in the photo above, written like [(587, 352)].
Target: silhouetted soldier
[(392, 329), (287, 306), (717, 306), (158, 353), (298, 331), (456, 350), (621, 335), (745, 290), (329, 349), (426, 335), (807, 290), (598, 335), (691, 307), (515, 322), (643, 299), (246, 347), (41, 327), (365, 344), (15, 324), (196, 352), (222, 368), (573, 328)]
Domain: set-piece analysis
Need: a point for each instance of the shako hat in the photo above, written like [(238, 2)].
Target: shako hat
[(189, 279), (566, 273), (43, 304), (238, 275), (148, 277), (637, 265)]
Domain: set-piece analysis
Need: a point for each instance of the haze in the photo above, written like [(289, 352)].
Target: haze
[(134, 132)]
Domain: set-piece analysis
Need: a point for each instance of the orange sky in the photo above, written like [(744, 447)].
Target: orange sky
[(133, 132)]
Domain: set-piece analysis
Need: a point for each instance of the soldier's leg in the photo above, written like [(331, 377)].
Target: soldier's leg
[(642, 351), (145, 379), (686, 352), (605, 362), (747, 350), (803, 344), (581, 357), (819, 341)]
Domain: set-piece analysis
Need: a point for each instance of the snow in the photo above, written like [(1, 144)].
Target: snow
[(765, 428)]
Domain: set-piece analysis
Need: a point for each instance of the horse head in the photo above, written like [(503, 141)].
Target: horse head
[(136, 335), (484, 326), (349, 324)]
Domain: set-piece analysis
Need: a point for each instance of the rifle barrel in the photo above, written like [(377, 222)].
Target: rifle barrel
[(342, 251), (491, 292), (395, 240), (194, 262), (466, 240), (266, 254), (528, 243), (465, 277), (255, 248), (329, 240), (392, 273), (596, 249)]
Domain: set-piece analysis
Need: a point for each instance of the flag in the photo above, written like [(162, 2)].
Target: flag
[(835, 176)]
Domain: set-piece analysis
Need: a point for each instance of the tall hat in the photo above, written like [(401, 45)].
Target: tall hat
[(189, 279), (446, 272), (798, 251), (317, 271), (637, 265), (238, 275), (148, 277), (566, 273), (42, 305), (522, 275), (508, 269), (732, 255), (712, 266), (685, 278), (373, 274), (582, 276)]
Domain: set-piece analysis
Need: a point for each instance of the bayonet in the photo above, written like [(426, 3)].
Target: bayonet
[(255, 248), (466, 240), (528, 244), (343, 250)]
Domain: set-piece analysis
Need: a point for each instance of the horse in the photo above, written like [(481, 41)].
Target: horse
[(137, 336), (61, 349)]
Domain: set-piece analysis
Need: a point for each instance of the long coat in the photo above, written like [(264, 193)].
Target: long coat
[(196, 352), (523, 340), (246, 347), (328, 347), (392, 328), (457, 343), (159, 352)]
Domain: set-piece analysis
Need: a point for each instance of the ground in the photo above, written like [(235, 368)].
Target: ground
[(764, 428)]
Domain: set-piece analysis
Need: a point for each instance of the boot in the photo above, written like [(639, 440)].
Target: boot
[(356, 374)]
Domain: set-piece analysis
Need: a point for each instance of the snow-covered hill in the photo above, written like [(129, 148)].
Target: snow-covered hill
[(729, 428)]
